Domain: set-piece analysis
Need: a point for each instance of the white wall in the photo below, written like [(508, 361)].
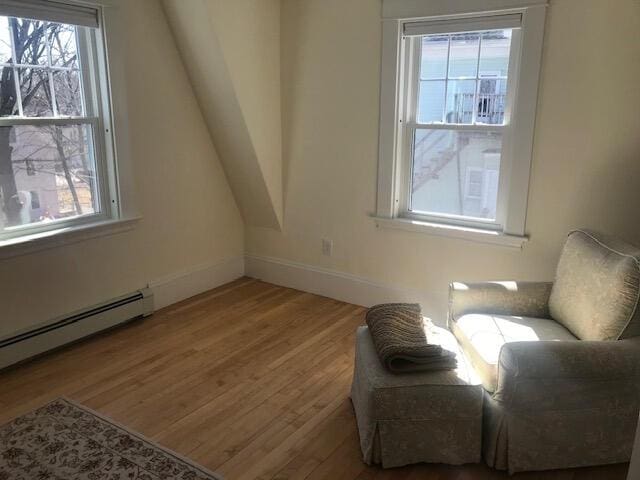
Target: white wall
[(190, 219), (586, 165)]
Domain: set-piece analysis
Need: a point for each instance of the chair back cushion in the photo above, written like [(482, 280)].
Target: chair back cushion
[(597, 287)]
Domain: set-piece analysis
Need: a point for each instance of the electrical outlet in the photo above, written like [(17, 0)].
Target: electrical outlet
[(327, 246)]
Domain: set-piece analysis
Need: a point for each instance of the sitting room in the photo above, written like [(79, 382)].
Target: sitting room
[(319, 239)]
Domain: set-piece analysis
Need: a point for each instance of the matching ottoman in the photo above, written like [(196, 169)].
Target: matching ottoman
[(433, 417)]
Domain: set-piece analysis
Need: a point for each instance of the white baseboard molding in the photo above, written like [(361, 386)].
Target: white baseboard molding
[(339, 285), (187, 283)]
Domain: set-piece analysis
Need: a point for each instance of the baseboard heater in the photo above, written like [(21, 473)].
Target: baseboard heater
[(55, 333)]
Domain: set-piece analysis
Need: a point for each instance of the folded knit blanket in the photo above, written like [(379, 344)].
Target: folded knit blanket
[(398, 333)]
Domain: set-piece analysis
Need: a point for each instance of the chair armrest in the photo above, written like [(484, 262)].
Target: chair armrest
[(579, 359), (569, 374), (526, 299)]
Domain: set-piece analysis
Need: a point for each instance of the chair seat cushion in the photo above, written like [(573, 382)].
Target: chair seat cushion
[(483, 335)]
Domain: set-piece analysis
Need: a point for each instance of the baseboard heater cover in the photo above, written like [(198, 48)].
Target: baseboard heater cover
[(55, 333)]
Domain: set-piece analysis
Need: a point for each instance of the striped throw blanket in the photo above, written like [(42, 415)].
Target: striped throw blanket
[(398, 333)]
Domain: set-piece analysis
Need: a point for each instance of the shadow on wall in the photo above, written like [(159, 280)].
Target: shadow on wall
[(293, 26), (586, 164), (611, 194)]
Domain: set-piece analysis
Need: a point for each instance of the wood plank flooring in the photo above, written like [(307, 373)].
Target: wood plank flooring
[(250, 380)]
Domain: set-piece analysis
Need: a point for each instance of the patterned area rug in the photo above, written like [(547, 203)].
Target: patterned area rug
[(63, 441)]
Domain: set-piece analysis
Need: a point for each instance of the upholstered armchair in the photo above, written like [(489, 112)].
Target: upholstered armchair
[(559, 361)]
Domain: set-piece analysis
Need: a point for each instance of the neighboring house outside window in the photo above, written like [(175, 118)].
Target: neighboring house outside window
[(35, 200), (457, 113), (57, 167)]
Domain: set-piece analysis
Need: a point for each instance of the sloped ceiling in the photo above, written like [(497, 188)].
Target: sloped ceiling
[(231, 51)]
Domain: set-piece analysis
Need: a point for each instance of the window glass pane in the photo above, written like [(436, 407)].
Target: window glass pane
[(492, 95), (431, 103), (460, 101), (474, 182), (36, 92), (5, 41), (54, 162), (456, 173), (494, 53), (66, 84), (476, 80), (31, 44), (64, 51), (8, 102), (435, 49), (463, 59)]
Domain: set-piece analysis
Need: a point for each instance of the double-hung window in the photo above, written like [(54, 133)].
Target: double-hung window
[(457, 113), (56, 150)]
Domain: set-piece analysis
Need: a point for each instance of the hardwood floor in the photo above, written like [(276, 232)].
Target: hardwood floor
[(250, 380)]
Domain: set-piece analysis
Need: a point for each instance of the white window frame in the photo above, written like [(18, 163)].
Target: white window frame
[(93, 62), (397, 73)]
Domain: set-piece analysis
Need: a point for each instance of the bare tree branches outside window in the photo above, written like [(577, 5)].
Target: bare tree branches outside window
[(40, 78)]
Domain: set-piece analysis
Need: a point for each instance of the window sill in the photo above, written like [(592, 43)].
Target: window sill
[(453, 231), (63, 236)]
